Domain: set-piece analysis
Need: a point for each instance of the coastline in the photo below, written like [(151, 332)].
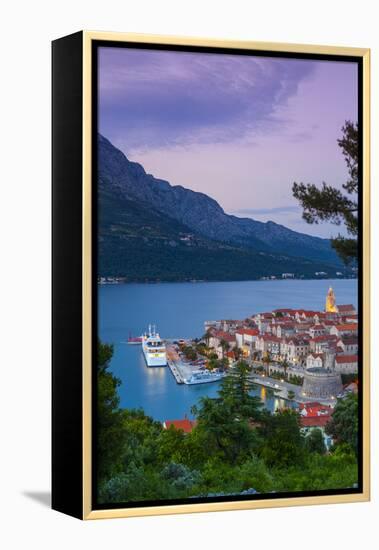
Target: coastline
[(203, 281), (181, 309)]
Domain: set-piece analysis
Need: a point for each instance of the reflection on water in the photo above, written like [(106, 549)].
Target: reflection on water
[(179, 310)]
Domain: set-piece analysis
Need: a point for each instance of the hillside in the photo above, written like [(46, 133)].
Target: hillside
[(201, 213), (142, 244)]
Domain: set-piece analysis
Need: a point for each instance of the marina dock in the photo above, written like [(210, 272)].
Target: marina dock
[(181, 370), (175, 364), (176, 374)]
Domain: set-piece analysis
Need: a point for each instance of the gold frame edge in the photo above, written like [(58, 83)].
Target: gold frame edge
[(87, 279), (277, 502)]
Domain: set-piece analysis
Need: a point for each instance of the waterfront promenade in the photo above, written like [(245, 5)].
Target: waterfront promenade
[(282, 389)]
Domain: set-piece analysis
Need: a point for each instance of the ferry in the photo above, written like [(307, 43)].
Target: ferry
[(134, 339), (154, 348), (203, 377)]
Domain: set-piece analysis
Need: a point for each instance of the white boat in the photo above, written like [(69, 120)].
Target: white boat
[(203, 377), (154, 349)]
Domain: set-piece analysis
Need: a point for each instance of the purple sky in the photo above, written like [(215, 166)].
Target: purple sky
[(238, 128)]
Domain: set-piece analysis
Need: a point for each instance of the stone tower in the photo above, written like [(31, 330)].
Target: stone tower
[(330, 303)]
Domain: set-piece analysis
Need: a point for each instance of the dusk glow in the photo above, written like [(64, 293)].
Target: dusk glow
[(238, 128)]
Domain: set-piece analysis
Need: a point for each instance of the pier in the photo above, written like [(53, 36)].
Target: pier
[(176, 374), (180, 369)]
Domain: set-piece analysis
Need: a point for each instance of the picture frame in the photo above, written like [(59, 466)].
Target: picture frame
[(75, 316)]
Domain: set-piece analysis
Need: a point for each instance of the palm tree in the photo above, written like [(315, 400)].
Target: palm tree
[(267, 361), (212, 363), (291, 395), (285, 366), (207, 336), (224, 346)]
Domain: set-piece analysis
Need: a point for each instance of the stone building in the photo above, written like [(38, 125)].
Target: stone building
[(321, 383)]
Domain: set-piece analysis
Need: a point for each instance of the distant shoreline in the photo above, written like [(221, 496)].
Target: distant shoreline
[(202, 281)]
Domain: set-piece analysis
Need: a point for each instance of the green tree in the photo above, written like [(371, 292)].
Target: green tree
[(140, 435), (180, 476), (344, 424), (254, 474), (171, 445), (314, 442), (283, 443), (207, 336), (266, 361), (109, 415), (212, 363), (335, 205), (285, 366), (237, 353), (227, 421), (202, 348), (291, 395), (190, 353), (235, 390), (225, 346)]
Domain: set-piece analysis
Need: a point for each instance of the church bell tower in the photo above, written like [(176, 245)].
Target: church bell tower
[(330, 303)]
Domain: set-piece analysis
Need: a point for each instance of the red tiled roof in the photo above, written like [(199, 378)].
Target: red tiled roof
[(349, 340), (347, 326), (345, 307), (325, 338), (185, 424), (346, 359), (311, 404), (221, 335), (314, 421), (269, 338), (310, 313), (284, 323), (299, 341), (248, 331)]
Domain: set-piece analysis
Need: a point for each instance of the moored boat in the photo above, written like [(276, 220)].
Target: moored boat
[(203, 377), (135, 339), (154, 349)]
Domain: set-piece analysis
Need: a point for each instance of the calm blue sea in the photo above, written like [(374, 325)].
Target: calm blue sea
[(179, 311)]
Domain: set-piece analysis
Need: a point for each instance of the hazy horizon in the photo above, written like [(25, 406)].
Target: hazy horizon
[(239, 128)]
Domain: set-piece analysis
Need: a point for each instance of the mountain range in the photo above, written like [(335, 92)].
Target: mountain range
[(151, 230)]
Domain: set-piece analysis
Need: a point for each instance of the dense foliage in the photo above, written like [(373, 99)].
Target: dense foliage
[(331, 204), (235, 446), (344, 425)]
